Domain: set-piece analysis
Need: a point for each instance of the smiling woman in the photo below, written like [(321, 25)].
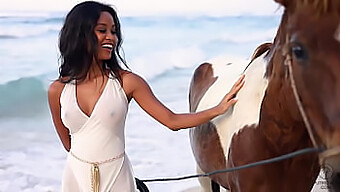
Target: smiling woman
[(89, 102), (79, 101)]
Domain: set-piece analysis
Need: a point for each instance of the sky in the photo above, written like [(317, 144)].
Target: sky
[(153, 7)]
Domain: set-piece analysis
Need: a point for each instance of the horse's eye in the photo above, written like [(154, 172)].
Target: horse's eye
[(299, 52)]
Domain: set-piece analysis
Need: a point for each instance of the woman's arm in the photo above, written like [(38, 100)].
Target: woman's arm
[(54, 93), (141, 92)]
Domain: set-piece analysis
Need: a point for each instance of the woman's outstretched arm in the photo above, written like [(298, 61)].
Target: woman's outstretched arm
[(137, 88)]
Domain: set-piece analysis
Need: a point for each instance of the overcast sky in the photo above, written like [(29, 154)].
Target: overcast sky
[(154, 7)]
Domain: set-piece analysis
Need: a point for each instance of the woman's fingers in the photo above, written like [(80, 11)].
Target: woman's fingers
[(240, 79), (231, 102), (239, 83), (236, 87)]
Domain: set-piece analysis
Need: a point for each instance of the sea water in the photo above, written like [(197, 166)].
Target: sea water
[(163, 50)]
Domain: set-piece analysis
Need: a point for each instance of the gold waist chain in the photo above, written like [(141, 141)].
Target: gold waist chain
[(95, 179)]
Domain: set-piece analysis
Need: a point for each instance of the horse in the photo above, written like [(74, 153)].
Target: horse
[(290, 101)]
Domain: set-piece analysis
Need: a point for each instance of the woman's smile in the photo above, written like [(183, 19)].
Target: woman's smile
[(106, 35)]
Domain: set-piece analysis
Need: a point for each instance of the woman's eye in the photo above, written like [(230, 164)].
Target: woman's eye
[(102, 30), (113, 32)]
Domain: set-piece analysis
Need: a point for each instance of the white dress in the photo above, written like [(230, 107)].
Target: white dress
[(97, 139)]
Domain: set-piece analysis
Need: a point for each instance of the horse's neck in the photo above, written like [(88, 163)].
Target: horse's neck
[(281, 122), (279, 131)]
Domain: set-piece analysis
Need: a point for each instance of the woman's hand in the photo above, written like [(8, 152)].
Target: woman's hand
[(230, 98)]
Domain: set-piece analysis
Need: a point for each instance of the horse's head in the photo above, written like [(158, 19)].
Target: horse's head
[(308, 46)]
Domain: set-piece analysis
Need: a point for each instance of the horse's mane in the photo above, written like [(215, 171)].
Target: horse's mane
[(260, 50), (320, 7)]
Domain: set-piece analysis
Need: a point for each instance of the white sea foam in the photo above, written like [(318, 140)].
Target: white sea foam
[(265, 35), (159, 62)]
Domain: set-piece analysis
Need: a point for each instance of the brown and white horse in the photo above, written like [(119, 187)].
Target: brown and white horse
[(290, 101)]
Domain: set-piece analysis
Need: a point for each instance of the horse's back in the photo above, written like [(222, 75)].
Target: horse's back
[(223, 72)]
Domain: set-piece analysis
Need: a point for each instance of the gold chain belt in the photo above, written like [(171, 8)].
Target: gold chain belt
[(95, 169)]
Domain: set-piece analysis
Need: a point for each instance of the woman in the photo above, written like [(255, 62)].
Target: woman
[(89, 101)]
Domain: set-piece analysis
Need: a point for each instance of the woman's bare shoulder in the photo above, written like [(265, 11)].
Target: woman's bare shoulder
[(56, 87), (132, 79), (130, 76), (132, 82)]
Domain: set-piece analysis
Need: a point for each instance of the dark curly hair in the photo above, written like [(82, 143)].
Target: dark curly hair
[(78, 42)]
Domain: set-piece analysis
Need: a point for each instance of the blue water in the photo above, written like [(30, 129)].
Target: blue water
[(163, 50)]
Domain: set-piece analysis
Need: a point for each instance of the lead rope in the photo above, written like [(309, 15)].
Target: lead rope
[(95, 174)]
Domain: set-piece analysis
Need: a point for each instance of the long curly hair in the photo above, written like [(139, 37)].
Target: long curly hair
[(78, 42)]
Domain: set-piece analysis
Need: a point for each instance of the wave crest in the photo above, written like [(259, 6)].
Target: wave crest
[(23, 97)]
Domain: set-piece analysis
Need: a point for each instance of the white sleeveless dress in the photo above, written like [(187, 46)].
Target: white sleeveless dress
[(97, 139)]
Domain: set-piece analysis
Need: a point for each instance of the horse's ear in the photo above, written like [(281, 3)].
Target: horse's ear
[(283, 2)]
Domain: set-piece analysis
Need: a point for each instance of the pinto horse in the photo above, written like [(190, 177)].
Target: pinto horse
[(290, 101)]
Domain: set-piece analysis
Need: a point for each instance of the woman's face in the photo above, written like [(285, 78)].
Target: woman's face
[(106, 34)]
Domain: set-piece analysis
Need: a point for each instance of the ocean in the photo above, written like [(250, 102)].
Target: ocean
[(163, 50)]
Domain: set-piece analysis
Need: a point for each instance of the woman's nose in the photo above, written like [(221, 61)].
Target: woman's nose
[(109, 35)]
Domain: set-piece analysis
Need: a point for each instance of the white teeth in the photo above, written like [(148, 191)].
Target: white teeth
[(109, 46)]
